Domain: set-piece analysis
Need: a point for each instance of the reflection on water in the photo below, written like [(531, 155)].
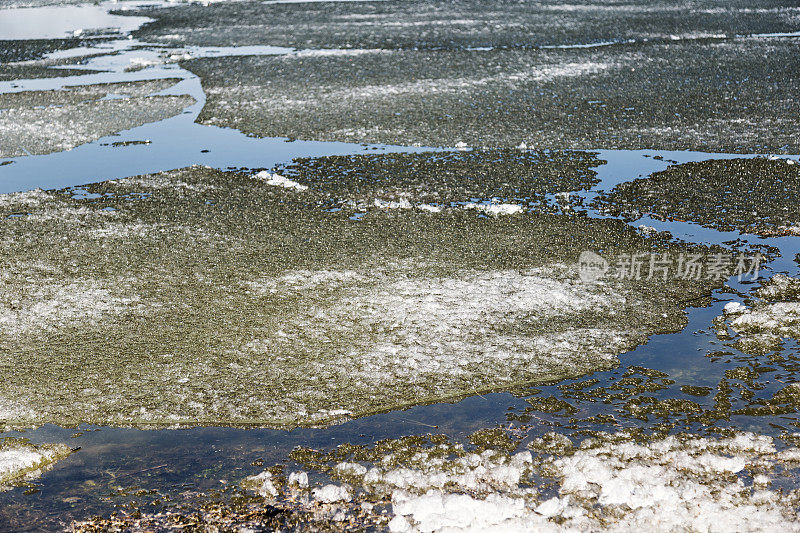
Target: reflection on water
[(55, 22)]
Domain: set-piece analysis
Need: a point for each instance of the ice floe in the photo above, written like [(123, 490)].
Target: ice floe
[(763, 326)]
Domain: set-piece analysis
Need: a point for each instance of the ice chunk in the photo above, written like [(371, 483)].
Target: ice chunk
[(277, 180), (298, 478), (262, 484), (20, 460), (495, 209), (734, 308), (332, 494)]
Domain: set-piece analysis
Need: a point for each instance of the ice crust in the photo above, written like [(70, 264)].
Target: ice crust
[(22, 461), (277, 180), (317, 318), (614, 483), (771, 319)]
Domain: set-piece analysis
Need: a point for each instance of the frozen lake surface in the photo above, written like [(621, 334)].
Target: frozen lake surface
[(145, 105)]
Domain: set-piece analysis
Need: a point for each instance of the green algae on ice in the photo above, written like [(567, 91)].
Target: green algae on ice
[(771, 319), (710, 76), (758, 195), (24, 59), (461, 24), (41, 122), (441, 178), (205, 297), (646, 95)]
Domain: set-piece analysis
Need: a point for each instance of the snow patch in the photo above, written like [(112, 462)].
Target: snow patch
[(495, 209), (277, 180), (673, 484), (400, 204), (734, 308), (52, 305)]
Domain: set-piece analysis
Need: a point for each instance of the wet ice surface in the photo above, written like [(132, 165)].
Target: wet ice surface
[(442, 74), (421, 306), (706, 383), (441, 97), (21, 461), (41, 122), (749, 195)]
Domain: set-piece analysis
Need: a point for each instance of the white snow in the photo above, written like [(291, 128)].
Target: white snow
[(495, 209), (53, 304), (304, 280), (277, 180), (335, 52), (404, 203), (474, 472), (562, 196), (780, 287), (782, 318), (162, 181), (42, 130), (437, 511), (399, 204), (141, 62), (775, 317), (416, 336), (353, 469), (647, 230), (791, 230), (30, 198), (674, 484)]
